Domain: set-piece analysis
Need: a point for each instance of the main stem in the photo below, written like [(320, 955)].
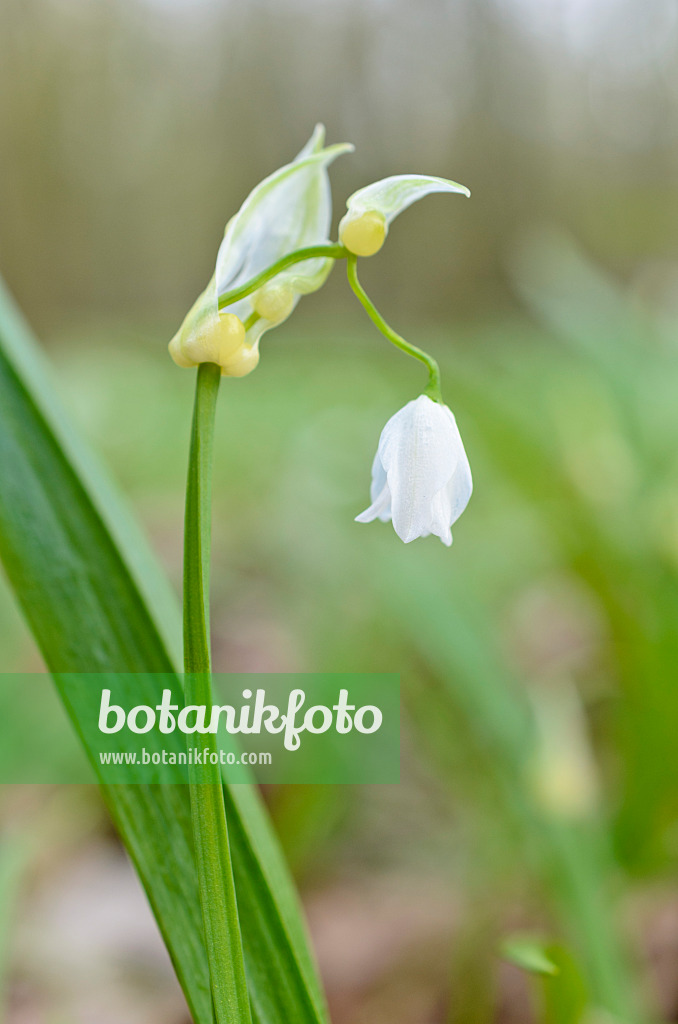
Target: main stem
[(210, 834), (432, 389)]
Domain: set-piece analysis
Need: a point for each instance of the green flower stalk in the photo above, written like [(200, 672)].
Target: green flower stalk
[(210, 831)]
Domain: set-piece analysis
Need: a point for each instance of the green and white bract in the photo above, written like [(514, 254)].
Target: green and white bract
[(371, 209), (421, 478), (289, 210), (391, 196)]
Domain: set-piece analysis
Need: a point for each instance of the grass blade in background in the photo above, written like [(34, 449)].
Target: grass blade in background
[(572, 857), (96, 602)]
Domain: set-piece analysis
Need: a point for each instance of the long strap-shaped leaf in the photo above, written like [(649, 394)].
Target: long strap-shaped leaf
[(96, 601)]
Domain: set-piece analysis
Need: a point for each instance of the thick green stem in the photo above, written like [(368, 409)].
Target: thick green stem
[(335, 252), (432, 389), (210, 833)]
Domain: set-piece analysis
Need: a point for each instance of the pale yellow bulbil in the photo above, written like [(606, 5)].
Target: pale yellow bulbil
[(242, 362), (176, 353), (363, 234), (207, 336), (217, 340), (274, 302)]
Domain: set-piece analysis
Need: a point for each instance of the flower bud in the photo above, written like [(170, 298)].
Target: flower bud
[(176, 352), (363, 234), (274, 302), (216, 340), (207, 336), (241, 362)]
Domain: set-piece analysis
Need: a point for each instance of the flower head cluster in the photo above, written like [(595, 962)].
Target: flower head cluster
[(289, 210), (275, 249)]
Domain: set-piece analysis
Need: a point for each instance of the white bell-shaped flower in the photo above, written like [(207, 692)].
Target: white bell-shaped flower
[(421, 478)]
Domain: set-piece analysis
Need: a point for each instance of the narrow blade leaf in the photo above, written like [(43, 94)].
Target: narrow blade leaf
[(96, 602)]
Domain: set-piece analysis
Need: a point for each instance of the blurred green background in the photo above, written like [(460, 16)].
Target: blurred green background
[(538, 656)]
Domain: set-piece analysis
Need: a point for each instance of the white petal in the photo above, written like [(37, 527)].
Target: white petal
[(379, 509), (391, 196), (380, 496), (440, 519), (460, 487), (378, 478), (451, 501)]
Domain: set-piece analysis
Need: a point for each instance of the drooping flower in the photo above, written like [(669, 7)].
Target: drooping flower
[(289, 210), (370, 210), (421, 479)]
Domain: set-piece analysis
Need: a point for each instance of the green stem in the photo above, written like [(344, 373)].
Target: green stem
[(252, 319), (432, 389), (335, 252), (210, 833)]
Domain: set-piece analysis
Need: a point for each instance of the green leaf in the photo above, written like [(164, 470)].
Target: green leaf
[(96, 602)]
